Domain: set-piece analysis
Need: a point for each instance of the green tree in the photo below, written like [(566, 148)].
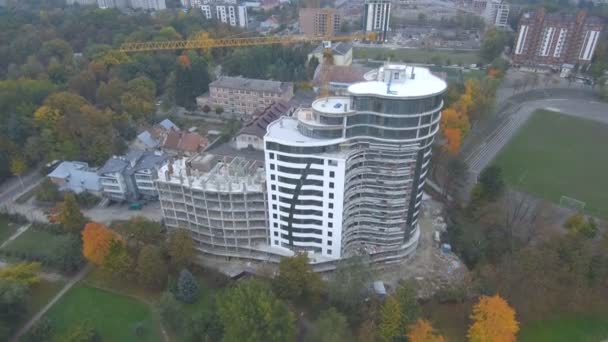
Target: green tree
[(117, 262), (187, 287), (578, 225), (41, 331), (204, 326), (24, 273), (494, 42), (390, 320), (191, 80), (490, 186), (13, 299), (410, 309), (249, 312), (330, 326), (348, 284), (18, 168), (47, 191), (67, 254), (151, 268), (69, 215), (141, 231), (296, 279), (169, 311), (181, 249)]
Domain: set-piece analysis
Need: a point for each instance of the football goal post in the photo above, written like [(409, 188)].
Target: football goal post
[(572, 203)]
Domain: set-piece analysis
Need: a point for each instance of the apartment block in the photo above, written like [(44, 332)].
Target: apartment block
[(496, 13), (221, 201), (151, 5), (131, 177), (376, 17), (553, 39), (246, 95), (320, 21), (346, 176), (226, 11)]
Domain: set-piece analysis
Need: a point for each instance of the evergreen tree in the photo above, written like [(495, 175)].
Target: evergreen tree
[(187, 287), (390, 320)]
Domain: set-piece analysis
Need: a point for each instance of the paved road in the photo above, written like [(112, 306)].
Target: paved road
[(46, 308), (485, 152), (13, 187)]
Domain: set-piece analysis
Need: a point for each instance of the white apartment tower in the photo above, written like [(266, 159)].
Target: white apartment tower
[(345, 177), (227, 11), (497, 13), (376, 17)]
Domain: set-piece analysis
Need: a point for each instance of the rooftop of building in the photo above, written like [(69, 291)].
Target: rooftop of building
[(286, 129), (210, 172), (242, 83), (78, 176), (184, 141), (347, 74), (133, 161), (332, 105), (412, 82), (261, 118), (337, 49)]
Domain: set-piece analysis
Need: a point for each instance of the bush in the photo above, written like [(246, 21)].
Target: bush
[(48, 191), (87, 200), (41, 331)]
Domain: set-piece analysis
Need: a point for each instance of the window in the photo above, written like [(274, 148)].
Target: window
[(329, 251), (330, 215), (329, 234), (331, 185), (332, 163), (274, 197), (276, 233), (272, 177), (331, 205), (274, 206), (271, 155), (276, 225), (272, 166), (332, 174), (276, 242), (273, 187), (330, 225), (274, 216), (331, 195), (329, 242), (396, 76)]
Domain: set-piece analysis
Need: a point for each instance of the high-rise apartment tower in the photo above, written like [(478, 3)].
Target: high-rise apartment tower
[(376, 17), (345, 177)]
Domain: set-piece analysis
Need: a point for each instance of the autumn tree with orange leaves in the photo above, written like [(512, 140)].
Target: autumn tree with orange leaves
[(493, 321), (96, 242), (422, 331)]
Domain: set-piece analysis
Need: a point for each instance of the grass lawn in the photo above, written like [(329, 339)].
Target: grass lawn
[(35, 242), (7, 229), (418, 55), (114, 316), (580, 328), (555, 154)]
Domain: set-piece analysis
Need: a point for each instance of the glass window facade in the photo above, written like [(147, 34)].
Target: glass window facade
[(395, 106)]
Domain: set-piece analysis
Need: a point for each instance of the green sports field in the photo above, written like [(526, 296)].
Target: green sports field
[(556, 155), (580, 328)]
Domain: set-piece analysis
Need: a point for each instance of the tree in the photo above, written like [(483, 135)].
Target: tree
[(577, 224), (422, 331), (13, 299), (181, 249), (296, 279), (493, 321), (206, 109), (249, 312), (347, 285), (142, 231), (491, 184), (117, 262), (219, 110), (169, 311), (41, 331), (453, 137), (151, 268), (18, 168), (187, 287), (96, 242), (47, 191), (69, 215), (24, 273), (494, 42), (67, 254), (410, 309), (330, 326), (390, 320), (367, 332), (191, 80)]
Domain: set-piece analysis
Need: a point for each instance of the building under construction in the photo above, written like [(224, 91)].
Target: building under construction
[(220, 200)]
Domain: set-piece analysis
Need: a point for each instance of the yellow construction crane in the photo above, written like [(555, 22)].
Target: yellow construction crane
[(203, 41)]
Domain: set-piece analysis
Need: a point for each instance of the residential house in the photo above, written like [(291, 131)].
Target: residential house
[(75, 177), (342, 53), (183, 143), (251, 136)]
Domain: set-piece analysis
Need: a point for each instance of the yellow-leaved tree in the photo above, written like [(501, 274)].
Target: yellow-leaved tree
[(422, 331), (493, 321)]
